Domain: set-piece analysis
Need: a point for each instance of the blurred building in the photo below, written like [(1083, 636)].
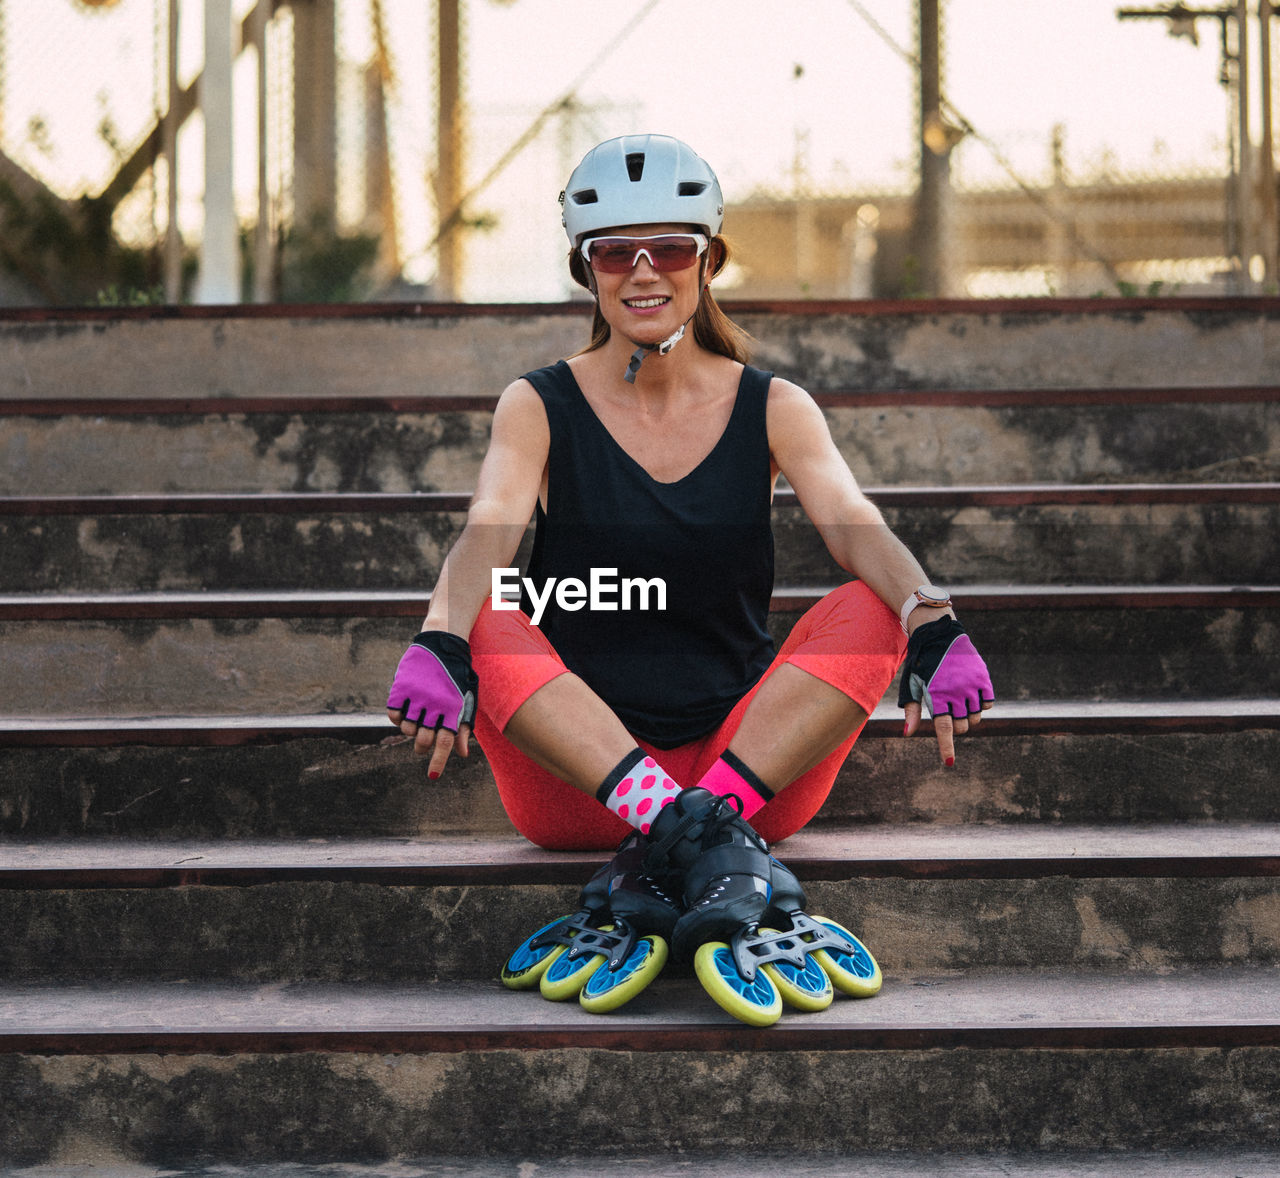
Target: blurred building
[(1060, 240)]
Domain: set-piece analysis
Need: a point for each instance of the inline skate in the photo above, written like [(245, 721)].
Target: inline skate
[(736, 893), (613, 946)]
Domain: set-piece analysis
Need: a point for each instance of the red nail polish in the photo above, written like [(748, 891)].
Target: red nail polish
[(951, 762), (431, 775), (906, 730)]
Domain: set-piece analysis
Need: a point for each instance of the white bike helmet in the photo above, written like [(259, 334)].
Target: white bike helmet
[(641, 180)]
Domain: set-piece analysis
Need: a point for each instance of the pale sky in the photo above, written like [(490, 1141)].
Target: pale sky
[(776, 96)]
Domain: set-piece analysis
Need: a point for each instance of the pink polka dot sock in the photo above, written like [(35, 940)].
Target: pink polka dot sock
[(730, 775), (637, 789)]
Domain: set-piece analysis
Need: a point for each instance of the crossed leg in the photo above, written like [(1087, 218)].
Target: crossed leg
[(551, 740)]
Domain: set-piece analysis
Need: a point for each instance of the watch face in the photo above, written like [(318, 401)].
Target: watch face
[(931, 593)]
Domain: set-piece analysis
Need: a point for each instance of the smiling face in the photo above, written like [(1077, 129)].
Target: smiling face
[(645, 305)]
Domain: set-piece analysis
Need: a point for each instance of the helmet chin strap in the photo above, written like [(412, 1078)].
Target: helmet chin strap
[(642, 350)]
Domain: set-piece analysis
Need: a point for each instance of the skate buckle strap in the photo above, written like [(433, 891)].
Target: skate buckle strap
[(659, 851), (728, 859)]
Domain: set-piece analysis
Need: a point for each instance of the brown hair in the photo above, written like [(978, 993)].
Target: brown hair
[(712, 328)]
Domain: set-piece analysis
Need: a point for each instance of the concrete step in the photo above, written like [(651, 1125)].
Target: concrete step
[(909, 436), (394, 350), (985, 1010), (307, 652), (212, 777), (925, 899), (1196, 1162), (997, 1062), (1130, 533)]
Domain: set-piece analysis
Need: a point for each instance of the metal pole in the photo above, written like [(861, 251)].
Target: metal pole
[(172, 234), (449, 149), (1244, 172), (220, 245), (3, 62), (1271, 229), (263, 238), (315, 138), (935, 164)]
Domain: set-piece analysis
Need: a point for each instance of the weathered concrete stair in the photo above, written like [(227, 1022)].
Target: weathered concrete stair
[(241, 925), (76, 446), (307, 776), (246, 652), (344, 983), (1162, 533)]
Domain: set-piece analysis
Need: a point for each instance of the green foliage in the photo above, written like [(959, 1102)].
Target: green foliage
[(1135, 290), (67, 252), (320, 265), (132, 296)]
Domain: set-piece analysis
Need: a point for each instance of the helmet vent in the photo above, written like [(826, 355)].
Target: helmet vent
[(691, 188), (635, 165), (585, 196)]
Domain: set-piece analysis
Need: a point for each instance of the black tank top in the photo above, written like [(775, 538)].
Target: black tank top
[(673, 675)]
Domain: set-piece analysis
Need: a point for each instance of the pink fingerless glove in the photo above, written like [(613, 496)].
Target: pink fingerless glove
[(944, 671), (435, 686)]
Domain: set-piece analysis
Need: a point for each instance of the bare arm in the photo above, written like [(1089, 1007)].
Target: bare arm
[(852, 528), (506, 492), (851, 525)]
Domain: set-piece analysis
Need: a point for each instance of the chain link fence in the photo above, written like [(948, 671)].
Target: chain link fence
[(413, 149)]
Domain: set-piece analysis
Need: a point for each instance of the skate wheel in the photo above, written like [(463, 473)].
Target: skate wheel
[(856, 973), (608, 989), (804, 987), (755, 1002), (525, 967), (566, 975)]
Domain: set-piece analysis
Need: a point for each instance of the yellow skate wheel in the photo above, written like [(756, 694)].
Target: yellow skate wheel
[(607, 989), (804, 987), (856, 974), (566, 975), (756, 1002), (524, 968)]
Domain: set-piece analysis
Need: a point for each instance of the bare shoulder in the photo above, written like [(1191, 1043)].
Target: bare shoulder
[(520, 395), (786, 392), (788, 399), (520, 411), (792, 413)]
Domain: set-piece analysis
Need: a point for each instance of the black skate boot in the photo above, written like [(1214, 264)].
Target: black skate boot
[(736, 893), (726, 865), (613, 946)]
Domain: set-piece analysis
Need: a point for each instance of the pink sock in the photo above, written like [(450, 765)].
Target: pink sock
[(637, 789), (729, 775)]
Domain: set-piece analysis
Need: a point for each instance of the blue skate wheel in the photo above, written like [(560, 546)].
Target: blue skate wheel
[(856, 974), (567, 974), (755, 1002), (805, 987), (607, 989), (525, 967)]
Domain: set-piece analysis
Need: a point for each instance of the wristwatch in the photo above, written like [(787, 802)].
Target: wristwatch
[(930, 595)]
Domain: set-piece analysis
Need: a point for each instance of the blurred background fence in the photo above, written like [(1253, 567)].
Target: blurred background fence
[(346, 150)]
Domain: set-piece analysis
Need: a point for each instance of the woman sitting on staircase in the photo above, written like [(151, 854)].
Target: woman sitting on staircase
[(648, 689)]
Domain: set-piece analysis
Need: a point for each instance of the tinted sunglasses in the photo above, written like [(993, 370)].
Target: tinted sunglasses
[(666, 252)]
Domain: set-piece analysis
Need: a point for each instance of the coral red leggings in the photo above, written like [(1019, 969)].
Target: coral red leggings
[(850, 639)]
